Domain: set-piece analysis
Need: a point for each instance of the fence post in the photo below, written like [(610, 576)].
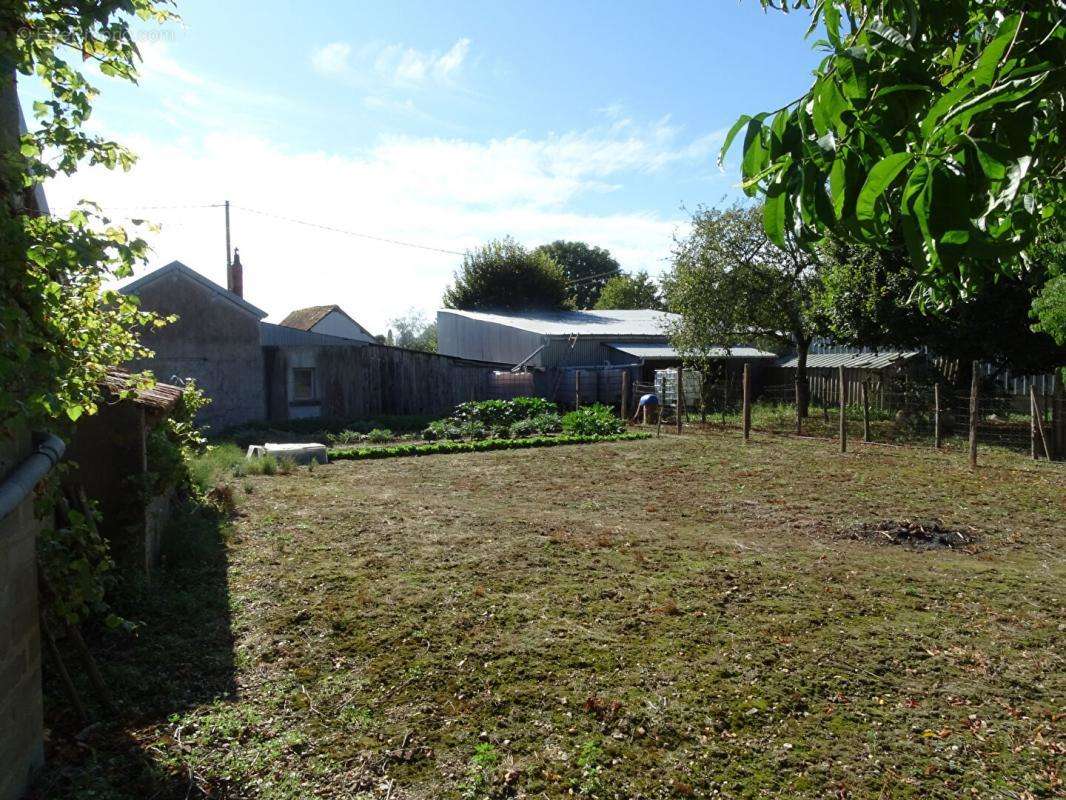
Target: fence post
[(865, 412), (577, 389), (624, 407), (703, 396), (843, 411), (1038, 423), (1059, 418), (747, 402), (975, 379), (799, 410), (662, 405), (680, 395), (938, 437)]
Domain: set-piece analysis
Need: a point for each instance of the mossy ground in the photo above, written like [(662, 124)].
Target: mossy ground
[(662, 618)]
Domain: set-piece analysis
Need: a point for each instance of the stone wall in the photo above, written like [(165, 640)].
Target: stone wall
[(21, 725)]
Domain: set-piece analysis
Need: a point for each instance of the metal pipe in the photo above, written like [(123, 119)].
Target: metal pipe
[(21, 482)]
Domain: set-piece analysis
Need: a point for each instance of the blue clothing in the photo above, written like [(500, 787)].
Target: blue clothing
[(648, 400)]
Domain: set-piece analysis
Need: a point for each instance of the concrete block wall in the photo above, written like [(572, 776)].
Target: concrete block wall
[(21, 716)]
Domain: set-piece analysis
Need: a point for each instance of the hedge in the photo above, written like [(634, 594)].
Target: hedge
[(478, 446)]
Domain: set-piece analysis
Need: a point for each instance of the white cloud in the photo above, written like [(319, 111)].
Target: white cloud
[(332, 59), (448, 193), (395, 64), (156, 61)]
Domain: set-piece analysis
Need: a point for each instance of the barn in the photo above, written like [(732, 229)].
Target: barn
[(576, 353), (557, 339)]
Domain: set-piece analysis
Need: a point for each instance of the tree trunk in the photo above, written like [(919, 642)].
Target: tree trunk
[(803, 393)]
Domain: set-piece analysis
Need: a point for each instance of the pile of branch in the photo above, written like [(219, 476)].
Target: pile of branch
[(924, 534)]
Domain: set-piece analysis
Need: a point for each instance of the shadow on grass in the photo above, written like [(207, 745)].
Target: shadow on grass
[(181, 656)]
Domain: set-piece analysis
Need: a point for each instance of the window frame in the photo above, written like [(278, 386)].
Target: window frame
[(312, 395)]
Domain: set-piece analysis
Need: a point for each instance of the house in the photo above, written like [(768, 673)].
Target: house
[(216, 340), (329, 321), (323, 365)]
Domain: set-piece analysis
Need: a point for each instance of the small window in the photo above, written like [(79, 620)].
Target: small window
[(303, 383)]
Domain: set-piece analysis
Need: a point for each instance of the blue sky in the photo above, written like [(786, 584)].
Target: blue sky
[(436, 123)]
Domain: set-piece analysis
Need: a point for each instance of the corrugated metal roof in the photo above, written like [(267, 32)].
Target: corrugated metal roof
[(885, 358), (653, 350), (642, 322), (161, 397)]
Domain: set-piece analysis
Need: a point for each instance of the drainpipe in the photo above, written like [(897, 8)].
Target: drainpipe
[(21, 482)]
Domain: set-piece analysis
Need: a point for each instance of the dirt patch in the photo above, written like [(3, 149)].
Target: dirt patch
[(919, 534)]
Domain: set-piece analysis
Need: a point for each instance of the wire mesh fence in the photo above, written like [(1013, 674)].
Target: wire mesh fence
[(923, 415), (874, 411)]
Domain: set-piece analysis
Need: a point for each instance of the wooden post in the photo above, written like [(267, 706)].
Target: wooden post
[(680, 395), (662, 402), (1038, 424), (703, 396), (624, 407), (1033, 451), (747, 402), (843, 411), (577, 388), (973, 414), (938, 436), (865, 412), (799, 410), (1058, 418)]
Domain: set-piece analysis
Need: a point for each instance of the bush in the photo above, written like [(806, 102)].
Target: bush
[(540, 424), (594, 420), (379, 435), (501, 413), (345, 437), (441, 429)]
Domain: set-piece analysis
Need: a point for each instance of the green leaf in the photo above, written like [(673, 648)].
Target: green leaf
[(877, 183), (988, 63), (75, 412), (890, 34), (756, 157), (774, 213), (740, 123)]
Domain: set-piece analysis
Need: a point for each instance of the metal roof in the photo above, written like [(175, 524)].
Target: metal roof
[(881, 360), (207, 283), (642, 322), (652, 350)]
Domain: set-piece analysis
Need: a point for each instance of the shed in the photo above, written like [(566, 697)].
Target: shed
[(880, 370), (110, 448)]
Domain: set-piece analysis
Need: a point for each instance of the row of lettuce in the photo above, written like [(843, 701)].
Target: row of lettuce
[(477, 446)]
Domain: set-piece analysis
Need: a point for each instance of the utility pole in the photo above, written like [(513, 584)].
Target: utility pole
[(228, 251)]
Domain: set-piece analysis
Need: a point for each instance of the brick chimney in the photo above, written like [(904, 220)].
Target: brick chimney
[(235, 278)]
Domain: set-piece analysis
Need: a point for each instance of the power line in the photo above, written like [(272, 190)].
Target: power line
[(597, 276), (346, 232)]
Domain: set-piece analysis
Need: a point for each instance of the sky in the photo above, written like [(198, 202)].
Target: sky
[(441, 125)]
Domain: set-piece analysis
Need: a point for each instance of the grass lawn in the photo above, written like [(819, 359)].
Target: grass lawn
[(665, 618)]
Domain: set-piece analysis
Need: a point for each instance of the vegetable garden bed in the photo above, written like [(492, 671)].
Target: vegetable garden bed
[(478, 446)]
